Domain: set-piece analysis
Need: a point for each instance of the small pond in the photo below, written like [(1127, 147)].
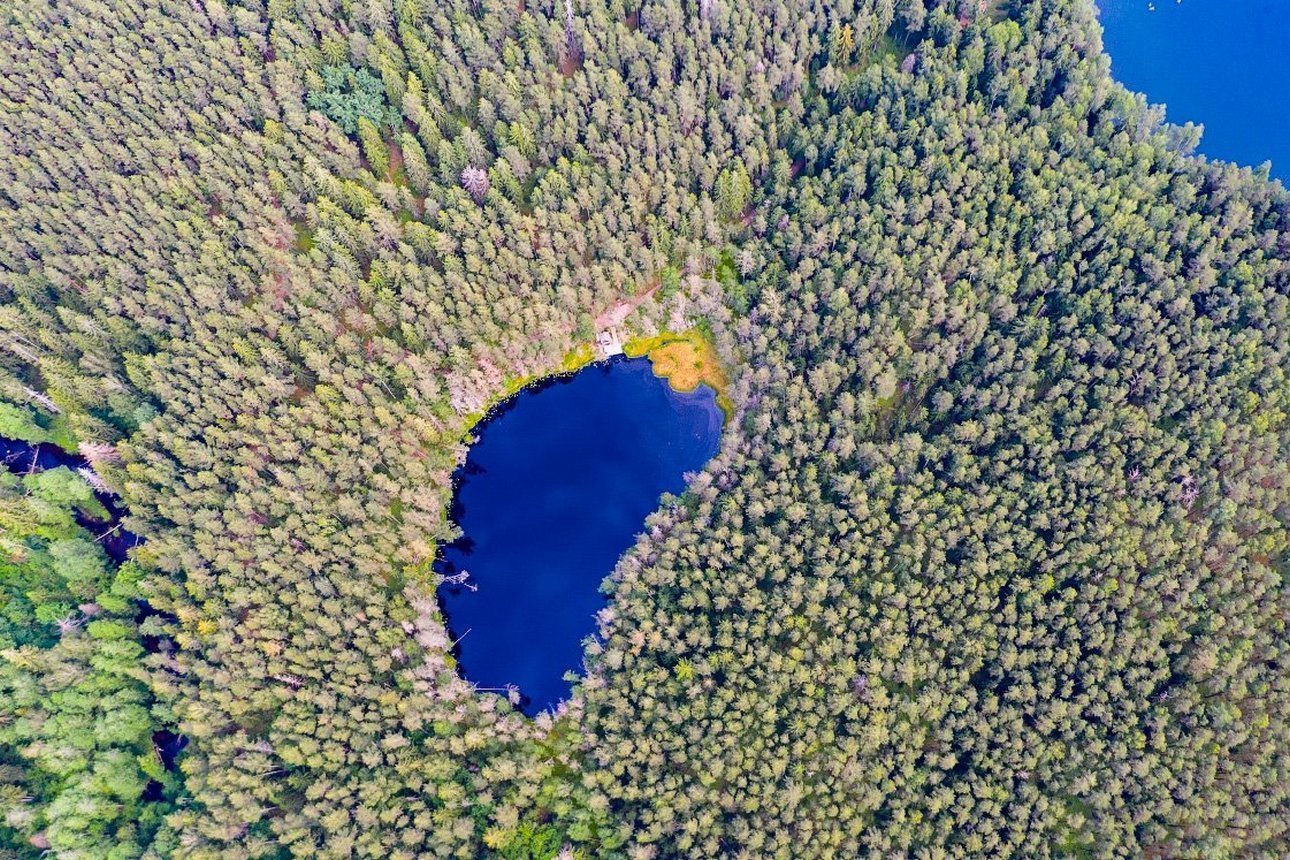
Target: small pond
[(554, 491), (1221, 63)]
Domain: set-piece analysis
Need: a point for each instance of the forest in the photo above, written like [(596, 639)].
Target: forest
[(994, 560)]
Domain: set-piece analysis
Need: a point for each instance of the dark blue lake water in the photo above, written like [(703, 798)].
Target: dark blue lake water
[(555, 489), (1221, 63)]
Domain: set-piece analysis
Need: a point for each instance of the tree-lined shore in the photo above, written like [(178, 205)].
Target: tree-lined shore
[(993, 561)]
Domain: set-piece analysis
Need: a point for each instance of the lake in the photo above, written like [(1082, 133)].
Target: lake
[(1221, 63), (554, 491)]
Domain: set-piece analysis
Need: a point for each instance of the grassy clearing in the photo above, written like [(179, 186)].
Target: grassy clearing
[(578, 358), (686, 360), (304, 239)]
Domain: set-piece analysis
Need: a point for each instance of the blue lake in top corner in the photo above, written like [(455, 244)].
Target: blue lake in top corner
[(554, 491), (1224, 64)]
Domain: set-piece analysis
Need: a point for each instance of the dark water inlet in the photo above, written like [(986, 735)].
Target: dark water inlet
[(21, 457), (554, 491)]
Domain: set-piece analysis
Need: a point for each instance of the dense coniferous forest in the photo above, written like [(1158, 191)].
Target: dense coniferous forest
[(993, 561)]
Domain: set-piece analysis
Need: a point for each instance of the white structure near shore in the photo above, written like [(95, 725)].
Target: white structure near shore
[(609, 343)]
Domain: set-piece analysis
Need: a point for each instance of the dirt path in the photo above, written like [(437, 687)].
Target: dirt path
[(622, 309)]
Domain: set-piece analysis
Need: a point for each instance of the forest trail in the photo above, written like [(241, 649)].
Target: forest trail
[(620, 310)]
